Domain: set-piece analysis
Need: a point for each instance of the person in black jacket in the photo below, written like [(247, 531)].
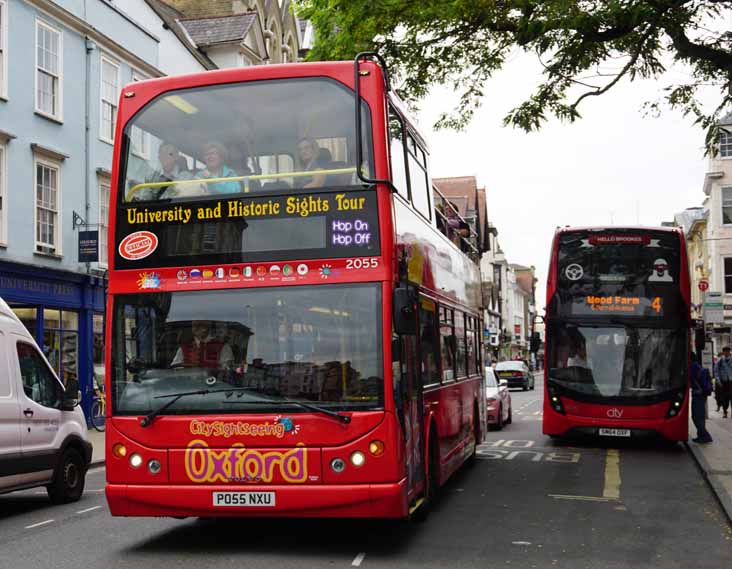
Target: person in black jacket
[(701, 388)]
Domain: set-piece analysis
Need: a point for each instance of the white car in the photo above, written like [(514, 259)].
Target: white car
[(43, 433), (498, 400)]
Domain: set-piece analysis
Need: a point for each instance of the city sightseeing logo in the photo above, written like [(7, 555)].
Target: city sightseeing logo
[(325, 271), (148, 280)]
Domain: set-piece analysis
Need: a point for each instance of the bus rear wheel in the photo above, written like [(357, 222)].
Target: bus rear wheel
[(432, 483)]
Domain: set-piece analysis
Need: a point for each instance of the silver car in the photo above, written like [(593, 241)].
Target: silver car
[(498, 400)]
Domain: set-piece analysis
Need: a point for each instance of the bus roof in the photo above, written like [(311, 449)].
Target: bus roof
[(666, 229)]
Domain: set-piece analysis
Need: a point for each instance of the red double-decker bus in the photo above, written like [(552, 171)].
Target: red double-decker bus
[(293, 321), (617, 333)]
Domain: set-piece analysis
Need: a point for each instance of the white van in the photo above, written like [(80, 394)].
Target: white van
[(43, 434)]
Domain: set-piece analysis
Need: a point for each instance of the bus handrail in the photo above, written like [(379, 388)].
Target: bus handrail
[(137, 187)]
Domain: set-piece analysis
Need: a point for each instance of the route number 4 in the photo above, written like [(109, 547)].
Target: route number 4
[(656, 304)]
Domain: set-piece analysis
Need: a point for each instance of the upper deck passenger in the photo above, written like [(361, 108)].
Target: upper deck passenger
[(215, 157)]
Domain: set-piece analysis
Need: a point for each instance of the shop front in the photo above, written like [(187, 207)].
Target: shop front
[(64, 312)]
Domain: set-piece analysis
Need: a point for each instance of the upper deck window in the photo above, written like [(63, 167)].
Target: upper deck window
[(244, 138)]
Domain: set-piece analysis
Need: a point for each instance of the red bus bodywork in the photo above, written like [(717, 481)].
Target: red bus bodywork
[(668, 418), (299, 467)]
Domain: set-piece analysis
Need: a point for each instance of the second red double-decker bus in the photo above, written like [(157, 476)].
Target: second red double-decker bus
[(294, 324), (617, 333)]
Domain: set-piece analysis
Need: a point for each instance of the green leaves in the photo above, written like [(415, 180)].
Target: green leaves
[(463, 42)]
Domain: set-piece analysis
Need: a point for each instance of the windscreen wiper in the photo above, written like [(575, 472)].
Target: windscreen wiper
[(148, 419), (345, 419)]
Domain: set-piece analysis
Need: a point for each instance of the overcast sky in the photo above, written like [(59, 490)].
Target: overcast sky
[(612, 166)]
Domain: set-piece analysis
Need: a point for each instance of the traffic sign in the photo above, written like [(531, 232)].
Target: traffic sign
[(703, 285)]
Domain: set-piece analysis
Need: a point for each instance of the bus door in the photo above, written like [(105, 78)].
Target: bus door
[(409, 391)]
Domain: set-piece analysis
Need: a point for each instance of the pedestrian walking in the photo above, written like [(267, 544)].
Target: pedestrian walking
[(723, 375), (701, 388)]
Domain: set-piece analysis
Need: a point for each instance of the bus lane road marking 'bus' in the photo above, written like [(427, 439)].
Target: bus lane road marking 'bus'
[(611, 489), (513, 448), (358, 559)]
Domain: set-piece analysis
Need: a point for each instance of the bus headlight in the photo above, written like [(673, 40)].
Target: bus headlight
[(135, 460), (358, 459), (675, 407), (555, 401)]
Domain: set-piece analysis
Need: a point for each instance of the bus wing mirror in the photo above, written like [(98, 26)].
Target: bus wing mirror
[(404, 311)]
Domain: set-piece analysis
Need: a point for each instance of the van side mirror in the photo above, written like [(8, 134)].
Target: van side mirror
[(404, 312), (503, 382), (72, 395)]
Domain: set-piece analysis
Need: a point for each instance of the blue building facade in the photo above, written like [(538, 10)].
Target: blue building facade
[(62, 65)]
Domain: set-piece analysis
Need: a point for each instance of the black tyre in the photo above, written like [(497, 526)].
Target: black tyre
[(97, 415), (499, 419), (432, 483), (476, 436), (69, 478)]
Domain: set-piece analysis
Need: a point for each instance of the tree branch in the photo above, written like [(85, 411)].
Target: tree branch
[(690, 50)]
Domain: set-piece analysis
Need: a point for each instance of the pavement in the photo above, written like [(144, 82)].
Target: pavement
[(97, 440), (715, 458)]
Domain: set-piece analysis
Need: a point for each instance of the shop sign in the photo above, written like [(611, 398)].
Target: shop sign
[(89, 246)]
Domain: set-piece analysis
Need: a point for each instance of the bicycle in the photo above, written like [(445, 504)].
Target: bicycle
[(98, 410)]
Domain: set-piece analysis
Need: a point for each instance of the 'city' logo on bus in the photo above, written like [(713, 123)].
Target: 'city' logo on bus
[(615, 413), (138, 245)]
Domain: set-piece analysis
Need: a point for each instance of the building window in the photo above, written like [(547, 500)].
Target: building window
[(47, 188), (98, 350), (728, 275), (725, 143), (104, 191), (109, 95), (140, 139), (3, 236), (48, 70), (61, 342), (3, 49), (727, 206)]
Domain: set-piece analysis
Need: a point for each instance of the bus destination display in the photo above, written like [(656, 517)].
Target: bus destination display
[(257, 228)]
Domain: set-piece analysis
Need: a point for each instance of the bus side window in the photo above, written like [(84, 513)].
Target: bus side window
[(470, 344), (398, 154), (447, 338), (460, 351), (428, 343)]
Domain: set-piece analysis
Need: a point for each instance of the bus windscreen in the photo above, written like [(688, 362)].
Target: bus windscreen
[(318, 344)]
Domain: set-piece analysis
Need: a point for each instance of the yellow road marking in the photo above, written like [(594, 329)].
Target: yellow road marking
[(583, 498), (612, 475)]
